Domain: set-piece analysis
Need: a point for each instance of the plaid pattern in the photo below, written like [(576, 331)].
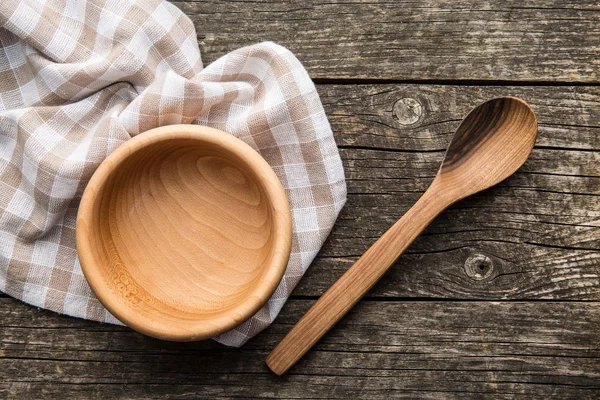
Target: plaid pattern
[(78, 78)]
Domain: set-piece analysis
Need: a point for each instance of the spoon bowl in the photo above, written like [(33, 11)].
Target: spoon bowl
[(490, 144)]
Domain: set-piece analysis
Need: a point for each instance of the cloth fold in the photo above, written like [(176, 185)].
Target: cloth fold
[(78, 78)]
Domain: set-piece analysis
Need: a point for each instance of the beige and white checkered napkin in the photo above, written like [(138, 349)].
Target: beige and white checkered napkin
[(78, 78)]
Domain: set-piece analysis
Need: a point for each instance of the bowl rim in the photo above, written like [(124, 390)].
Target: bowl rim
[(281, 224)]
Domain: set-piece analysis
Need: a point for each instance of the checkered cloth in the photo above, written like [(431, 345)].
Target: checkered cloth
[(78, 78)]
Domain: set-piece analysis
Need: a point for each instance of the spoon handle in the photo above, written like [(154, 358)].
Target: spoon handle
[(355, 282)]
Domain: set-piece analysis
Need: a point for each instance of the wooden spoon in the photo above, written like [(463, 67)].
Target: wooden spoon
[(491, 143)]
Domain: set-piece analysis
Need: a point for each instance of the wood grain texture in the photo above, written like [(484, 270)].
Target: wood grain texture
[(382, 350), (539, 227), (184, 232), (490, 144), (534, 40)]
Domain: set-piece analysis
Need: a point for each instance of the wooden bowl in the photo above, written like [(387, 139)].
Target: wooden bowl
[(184, 232)]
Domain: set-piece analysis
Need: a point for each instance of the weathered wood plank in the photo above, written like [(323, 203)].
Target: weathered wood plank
[(535, 40), (540, 228), (382, 350), (365, 115)]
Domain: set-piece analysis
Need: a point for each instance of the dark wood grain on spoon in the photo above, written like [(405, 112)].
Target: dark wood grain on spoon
[(491, 143)]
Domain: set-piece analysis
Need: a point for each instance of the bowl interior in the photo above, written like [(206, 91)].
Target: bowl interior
[(184, 241)]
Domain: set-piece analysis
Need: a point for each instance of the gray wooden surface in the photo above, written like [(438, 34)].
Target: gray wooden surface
[(396, 78)]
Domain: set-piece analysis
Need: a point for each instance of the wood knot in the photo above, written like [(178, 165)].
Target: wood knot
[(407, 111), (479, 267)]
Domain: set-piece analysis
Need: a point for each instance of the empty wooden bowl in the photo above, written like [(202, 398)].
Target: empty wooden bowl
[(184, 232)]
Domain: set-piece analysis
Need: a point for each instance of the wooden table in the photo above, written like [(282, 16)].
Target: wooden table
[(499, 297)]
